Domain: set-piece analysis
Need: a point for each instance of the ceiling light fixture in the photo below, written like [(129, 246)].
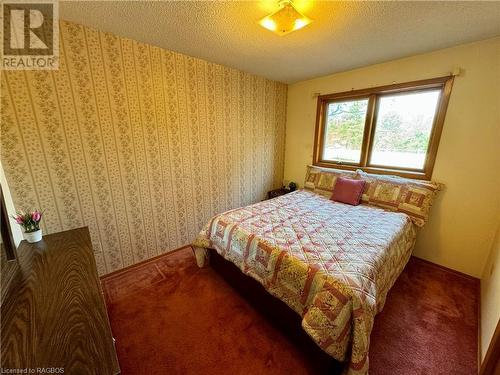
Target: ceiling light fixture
[(285, 20)]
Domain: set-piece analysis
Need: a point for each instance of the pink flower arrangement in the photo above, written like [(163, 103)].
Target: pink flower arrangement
[(30, 221)]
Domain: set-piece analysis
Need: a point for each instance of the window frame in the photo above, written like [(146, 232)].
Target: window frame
[(444, 84)]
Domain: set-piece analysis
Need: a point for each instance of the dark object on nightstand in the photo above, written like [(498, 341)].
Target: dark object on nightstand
[(277, 192), (292, 186)]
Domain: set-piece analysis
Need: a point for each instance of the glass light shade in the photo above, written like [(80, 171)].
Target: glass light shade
[(285, 20)]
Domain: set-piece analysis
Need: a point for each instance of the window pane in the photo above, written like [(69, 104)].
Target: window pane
[(345, 124), (403, 129)]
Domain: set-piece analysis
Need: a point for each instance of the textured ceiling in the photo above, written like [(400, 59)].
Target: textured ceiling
[(343, 36)]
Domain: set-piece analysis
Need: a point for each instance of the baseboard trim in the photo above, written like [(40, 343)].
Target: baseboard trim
[(141, 263), (446, 269), (464, 275)]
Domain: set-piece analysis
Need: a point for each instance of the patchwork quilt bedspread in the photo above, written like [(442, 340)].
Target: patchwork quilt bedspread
[(332, 263)]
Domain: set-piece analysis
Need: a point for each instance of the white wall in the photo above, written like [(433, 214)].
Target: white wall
[(463, 221), (16, 229)]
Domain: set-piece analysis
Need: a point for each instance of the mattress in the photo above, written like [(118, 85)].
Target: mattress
[(330, 262)]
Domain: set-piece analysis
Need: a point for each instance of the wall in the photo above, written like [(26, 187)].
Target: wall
[(17, 235), (463, 221), (141, 144), (490, 296)]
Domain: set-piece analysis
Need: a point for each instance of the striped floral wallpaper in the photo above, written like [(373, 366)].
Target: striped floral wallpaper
[(141, 144)]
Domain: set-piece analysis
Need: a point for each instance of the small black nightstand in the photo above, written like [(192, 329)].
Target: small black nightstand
[(277, 192)]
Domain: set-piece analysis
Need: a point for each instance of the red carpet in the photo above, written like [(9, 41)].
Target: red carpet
[(170, 317)]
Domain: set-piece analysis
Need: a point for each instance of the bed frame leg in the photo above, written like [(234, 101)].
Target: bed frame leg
[(202, 256)]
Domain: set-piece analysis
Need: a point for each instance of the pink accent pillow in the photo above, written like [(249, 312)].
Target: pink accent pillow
[(347, 190)]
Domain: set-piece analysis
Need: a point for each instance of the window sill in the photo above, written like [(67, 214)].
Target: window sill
[(377, 170)]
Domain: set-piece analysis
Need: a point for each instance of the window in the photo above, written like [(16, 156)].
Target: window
[(344, 130), (391, 129)]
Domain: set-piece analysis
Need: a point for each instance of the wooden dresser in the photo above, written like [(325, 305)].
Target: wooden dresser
[(53, 313)]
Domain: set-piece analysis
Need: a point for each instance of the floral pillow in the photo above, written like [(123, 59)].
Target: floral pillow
[(412, 197), (322, 180)]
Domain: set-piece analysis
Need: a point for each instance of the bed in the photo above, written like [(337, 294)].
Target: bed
[(332, 263)]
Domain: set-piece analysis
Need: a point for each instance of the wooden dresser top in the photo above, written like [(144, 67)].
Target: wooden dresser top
[(53, 315)]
